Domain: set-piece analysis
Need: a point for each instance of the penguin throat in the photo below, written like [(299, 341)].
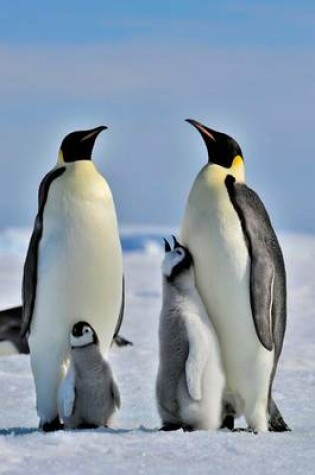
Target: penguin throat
[(84, 345)]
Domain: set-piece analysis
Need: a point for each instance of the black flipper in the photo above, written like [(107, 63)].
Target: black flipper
[(267, 265), (122, 309), (267, 279), (115, 394), (30, 267), (10, 325), (120, 341), (10, 330)]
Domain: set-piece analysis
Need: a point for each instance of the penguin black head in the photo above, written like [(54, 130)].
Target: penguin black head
[(79, 145), (82, 334), (222, 149), (175, 261)]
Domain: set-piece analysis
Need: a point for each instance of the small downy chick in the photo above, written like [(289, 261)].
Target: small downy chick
[(190, 379), (88, 396)]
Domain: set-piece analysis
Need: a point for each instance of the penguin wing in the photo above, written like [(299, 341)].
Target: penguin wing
[(122, 310), (30, 267), (267, 265), (10, 326), (197, 357), (115, 393), (66, 394)]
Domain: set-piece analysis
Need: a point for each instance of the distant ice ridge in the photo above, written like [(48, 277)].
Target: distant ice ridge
[(14, 241), (147, 239), (144, 239)]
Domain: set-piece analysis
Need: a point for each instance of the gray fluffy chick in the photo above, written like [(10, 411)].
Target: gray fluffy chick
[(88, 396), (190, 378)]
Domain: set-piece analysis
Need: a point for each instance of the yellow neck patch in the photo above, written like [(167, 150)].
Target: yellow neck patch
[(237, 169), (214, 175), (237, 162), (60, 158)]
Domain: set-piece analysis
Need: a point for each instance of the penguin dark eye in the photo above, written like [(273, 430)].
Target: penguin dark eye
[(86, 330), (179, 253)]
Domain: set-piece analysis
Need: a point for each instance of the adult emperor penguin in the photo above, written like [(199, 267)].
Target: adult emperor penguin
[(73, 267), (240, 276), (89, 395)]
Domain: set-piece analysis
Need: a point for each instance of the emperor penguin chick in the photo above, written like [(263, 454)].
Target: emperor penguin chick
[(190, 379), (89, 395)]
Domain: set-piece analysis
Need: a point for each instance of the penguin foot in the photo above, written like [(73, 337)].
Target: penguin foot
[(228, 422), (52, 426), (87, 425), (188, 428), (245, 429), (121, 341), (168, 426)]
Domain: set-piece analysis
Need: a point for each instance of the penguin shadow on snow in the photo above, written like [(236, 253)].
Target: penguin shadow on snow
[(18, 431), (23, 431), (116, 430)]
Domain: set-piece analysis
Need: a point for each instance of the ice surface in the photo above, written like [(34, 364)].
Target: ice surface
[(135, 446)]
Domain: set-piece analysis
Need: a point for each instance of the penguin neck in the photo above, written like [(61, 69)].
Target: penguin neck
[(82, 181), (183, 284), (214, 175), (80, 165), (86, 358)]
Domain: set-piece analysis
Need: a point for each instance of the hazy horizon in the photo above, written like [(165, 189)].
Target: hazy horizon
[(141, 69)]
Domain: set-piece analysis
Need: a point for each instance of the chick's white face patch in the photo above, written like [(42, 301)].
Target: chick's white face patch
[(86, 338), (171, 260)]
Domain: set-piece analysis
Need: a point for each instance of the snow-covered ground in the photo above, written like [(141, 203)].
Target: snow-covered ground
[(135, 446)]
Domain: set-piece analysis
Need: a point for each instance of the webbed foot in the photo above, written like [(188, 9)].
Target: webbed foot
[(52, 426), (168, 426), (228, 422), (245, 429)]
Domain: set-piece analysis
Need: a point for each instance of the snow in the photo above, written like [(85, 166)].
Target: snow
[(134, 445)]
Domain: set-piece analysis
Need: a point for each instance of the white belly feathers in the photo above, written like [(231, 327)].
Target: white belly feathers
[(80, 263), (212, 231)]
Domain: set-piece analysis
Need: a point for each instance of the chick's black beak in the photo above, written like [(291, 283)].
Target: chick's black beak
[(167, 247), (176, 243)]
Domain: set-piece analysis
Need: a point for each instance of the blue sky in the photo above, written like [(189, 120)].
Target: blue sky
[(141, 68)]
